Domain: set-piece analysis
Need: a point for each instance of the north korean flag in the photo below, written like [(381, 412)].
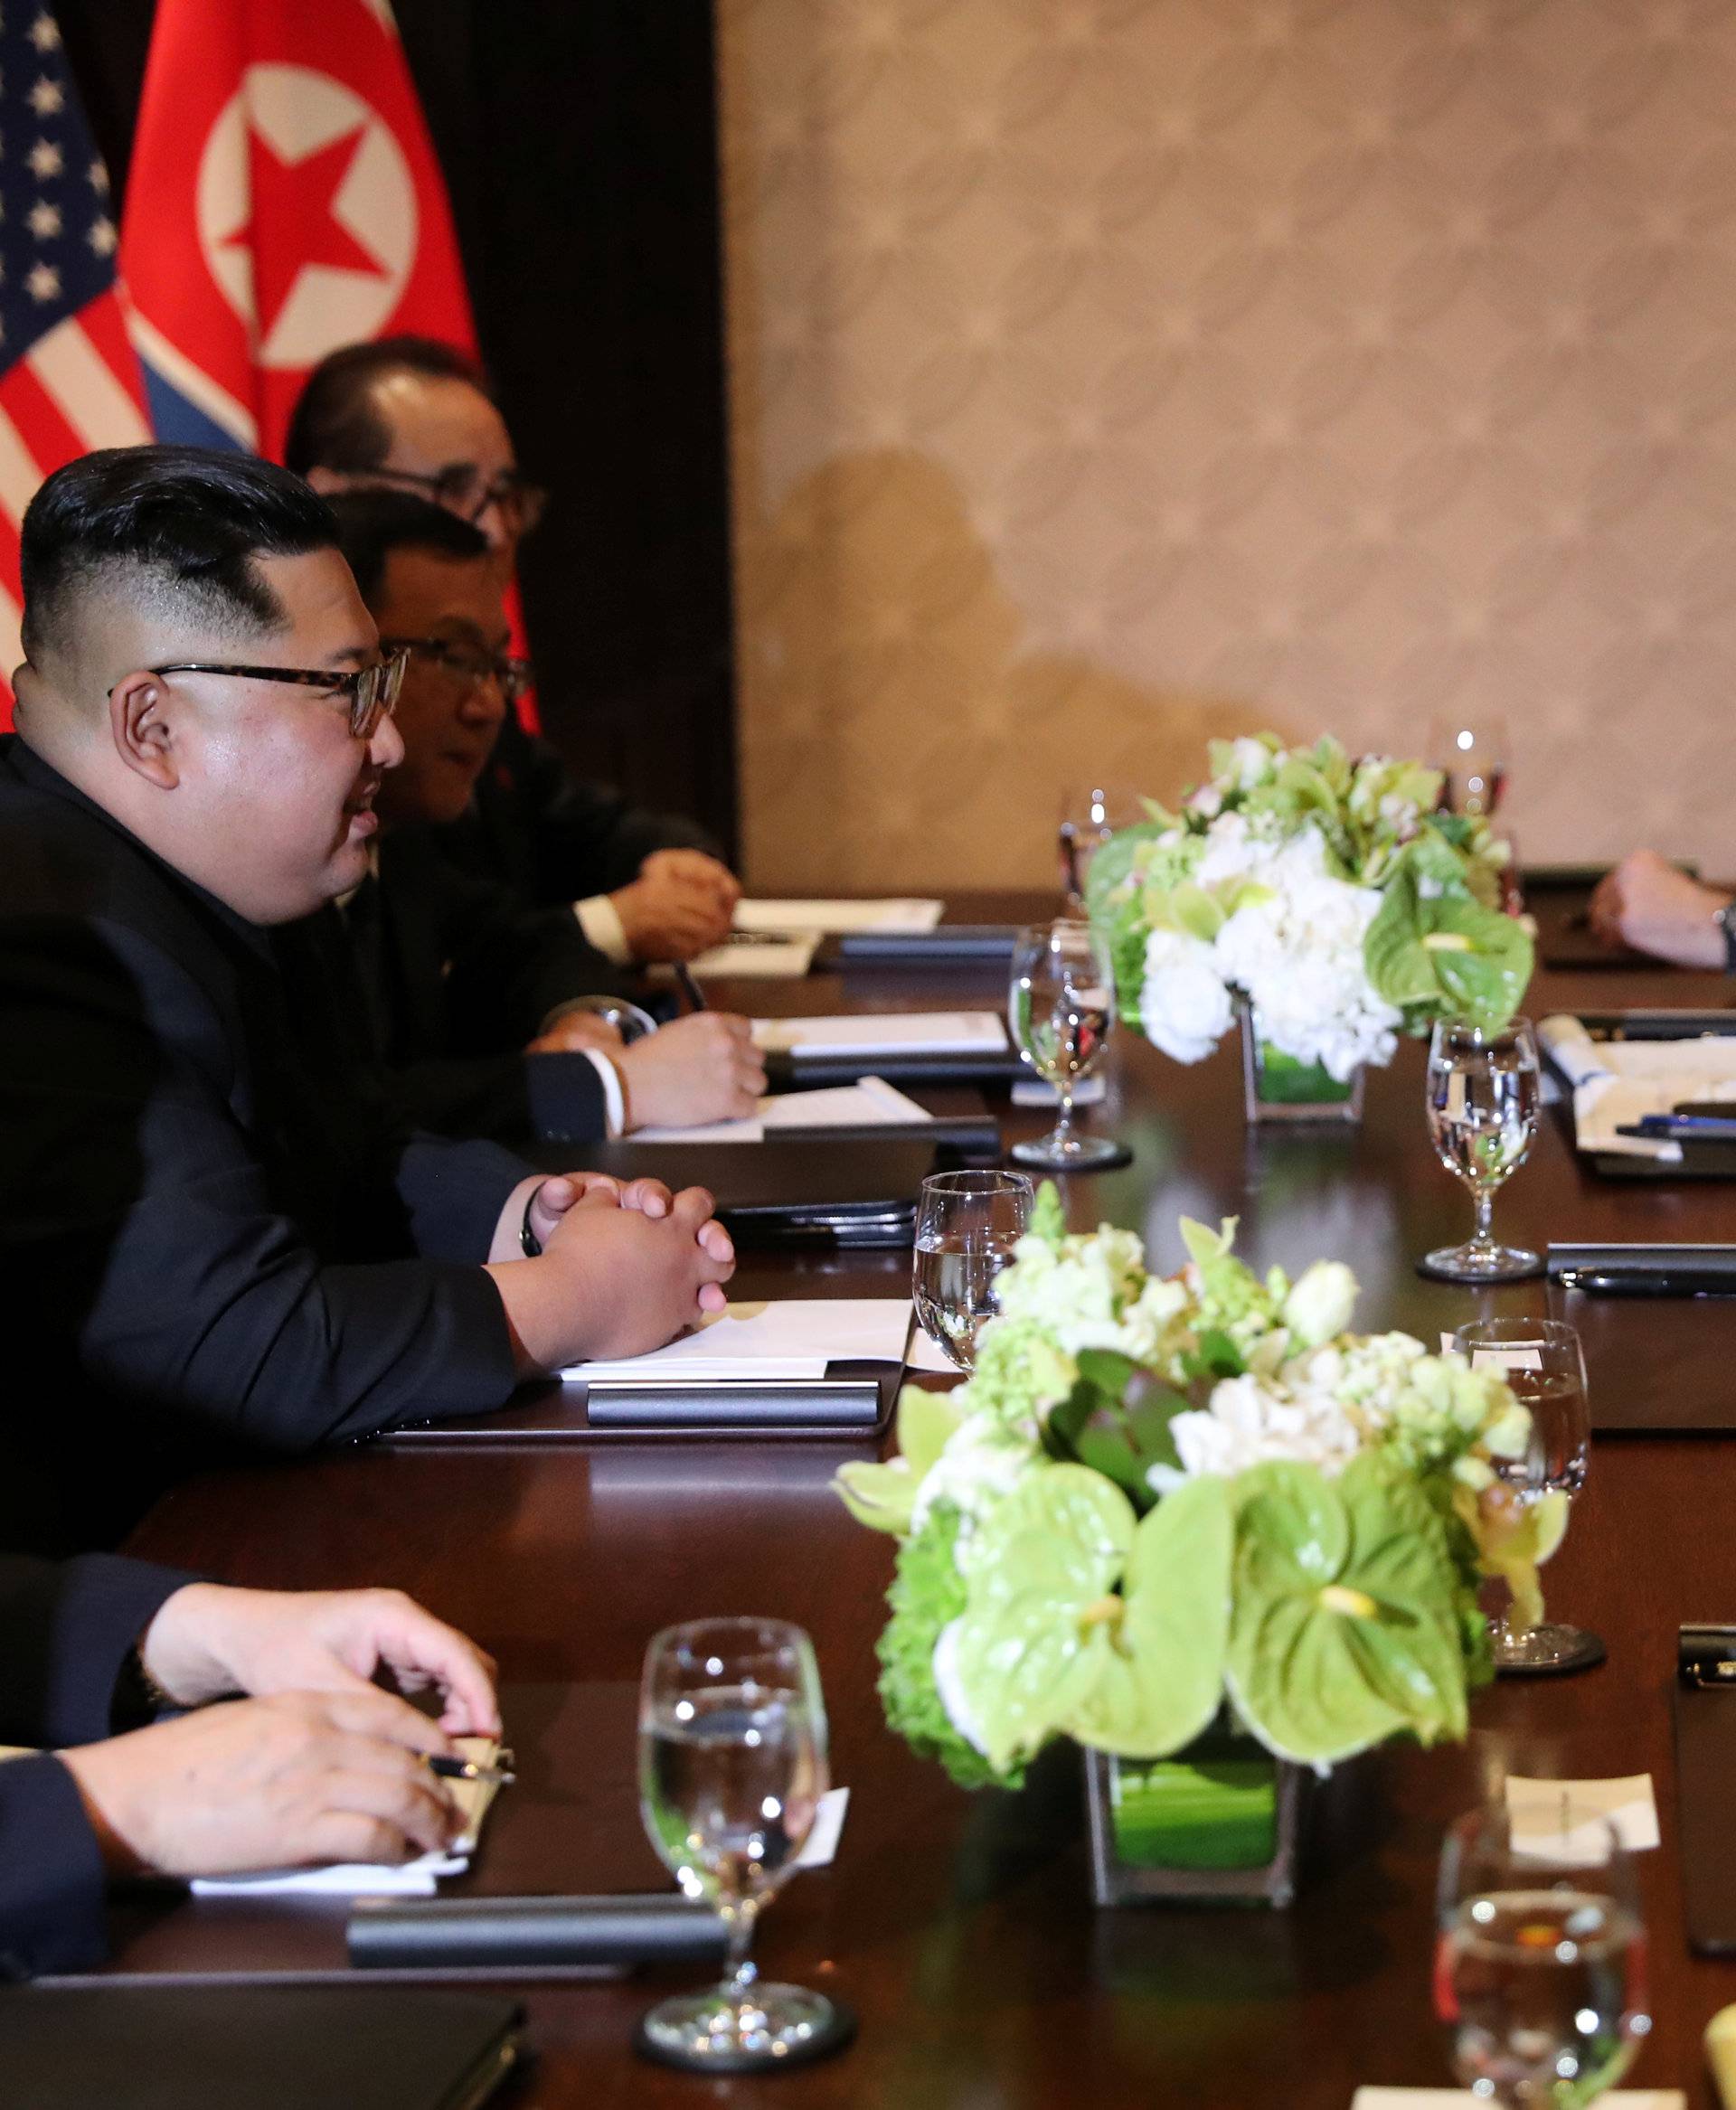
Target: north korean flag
[(283, 200)]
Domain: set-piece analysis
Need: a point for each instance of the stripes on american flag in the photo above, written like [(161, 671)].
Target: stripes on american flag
[(69, 378)]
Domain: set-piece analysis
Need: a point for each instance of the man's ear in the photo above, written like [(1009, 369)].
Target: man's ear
[(138, 725)]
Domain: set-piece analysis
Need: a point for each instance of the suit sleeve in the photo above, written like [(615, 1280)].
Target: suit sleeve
[(51, 1873), (589, 838), (149, 1243), (549, 1097), (66, 1628)]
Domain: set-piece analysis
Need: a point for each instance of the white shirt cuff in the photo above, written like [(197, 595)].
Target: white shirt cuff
[(614, 1098), (601, 920)]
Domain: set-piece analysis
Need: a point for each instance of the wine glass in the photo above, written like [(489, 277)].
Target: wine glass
[(966, 1225), (1088, 817), (732, 1763), (1062, 1005), (1543, 1363), (1470, 748), (1540, 1963), (1482, 1094)]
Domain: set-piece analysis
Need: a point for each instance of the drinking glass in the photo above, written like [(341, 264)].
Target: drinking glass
[(733, 1761), (1482, 1095), (1088, 817), (966, 1225), (1543, 1362), (1062, 1006), (1471, 749), (1540, 1962)]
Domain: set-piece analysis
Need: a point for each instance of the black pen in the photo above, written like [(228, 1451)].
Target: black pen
[(468, 1769), (689, 984), (1597, 1281)]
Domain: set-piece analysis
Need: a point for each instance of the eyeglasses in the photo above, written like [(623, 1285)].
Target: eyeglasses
[(461, 490), (372, 691), (472, 666)]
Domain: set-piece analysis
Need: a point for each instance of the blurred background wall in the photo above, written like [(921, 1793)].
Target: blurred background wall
[(1109, 373)]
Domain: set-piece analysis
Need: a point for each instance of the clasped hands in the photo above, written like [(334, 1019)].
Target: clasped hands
[(316, 1763)]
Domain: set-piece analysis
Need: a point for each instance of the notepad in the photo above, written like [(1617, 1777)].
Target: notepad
[(757, 955), (870, 1103), (409, 1879), (889, 1032), (1616, 1083), (824, 918), (792, 1339)]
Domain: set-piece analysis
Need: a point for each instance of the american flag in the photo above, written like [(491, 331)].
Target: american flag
[(68, 381)]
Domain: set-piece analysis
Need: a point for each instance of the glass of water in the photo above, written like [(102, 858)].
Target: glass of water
[(1482, 1094), (966, 1225), (1062, 1005), (1089, 815), (1471, 749), (1544, 1364), (1539, 1965), (732, 1763)]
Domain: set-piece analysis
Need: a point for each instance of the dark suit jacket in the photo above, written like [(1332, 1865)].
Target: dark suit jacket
[(65, 1632), (461, 975), (535, 826), (208, 1210)]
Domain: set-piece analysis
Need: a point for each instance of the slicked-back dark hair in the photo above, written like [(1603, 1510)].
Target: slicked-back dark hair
[(336, 425), (186, 522), (371, 524)]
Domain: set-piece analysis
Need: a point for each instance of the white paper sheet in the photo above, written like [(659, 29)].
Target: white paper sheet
[(870, 1102), (819, 1848), (823, 918), (792, 1338), (757, 956), (886, 1032), (1536, 1810)]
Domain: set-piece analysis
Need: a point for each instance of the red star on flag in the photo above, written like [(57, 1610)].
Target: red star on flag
[(292, 224)]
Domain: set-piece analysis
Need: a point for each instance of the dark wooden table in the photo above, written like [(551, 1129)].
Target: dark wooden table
[(960, 1927)]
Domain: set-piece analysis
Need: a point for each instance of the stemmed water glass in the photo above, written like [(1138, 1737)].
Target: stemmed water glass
[(732, 1763), (1062, 1005), (1543, 1362), (1088, 817), (1471, 749), (1540, 1963), (966, 1225), (1483, 1092)]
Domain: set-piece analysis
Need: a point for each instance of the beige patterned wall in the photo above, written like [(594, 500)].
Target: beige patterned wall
[(1107, 373)]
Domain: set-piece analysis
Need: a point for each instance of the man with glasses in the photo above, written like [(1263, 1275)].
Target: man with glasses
[(222, 1235), (411, 414), (473, 993)]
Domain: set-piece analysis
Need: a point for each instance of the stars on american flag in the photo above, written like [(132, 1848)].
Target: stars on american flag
[(45, 160), (44, 34), (47, 97)]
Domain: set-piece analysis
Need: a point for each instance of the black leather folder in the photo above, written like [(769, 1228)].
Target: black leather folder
[(503, 1934), (948, 945), (810, 1191), (292, 2047)]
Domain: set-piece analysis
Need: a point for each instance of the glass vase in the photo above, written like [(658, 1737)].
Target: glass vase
[(1279, 1089), (1218, 1823)]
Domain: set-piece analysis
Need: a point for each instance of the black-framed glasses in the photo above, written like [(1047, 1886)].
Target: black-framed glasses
[(461, 490), (372, 691), (470, 664)]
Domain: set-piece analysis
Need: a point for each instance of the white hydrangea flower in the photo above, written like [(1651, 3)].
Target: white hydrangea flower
[(1185, 1008), (949, 1687), (1250, 1420), (1320, 1305), (982, 1461)]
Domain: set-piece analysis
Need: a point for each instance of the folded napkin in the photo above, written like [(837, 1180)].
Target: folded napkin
[(409, 1879), (1616, 1082)]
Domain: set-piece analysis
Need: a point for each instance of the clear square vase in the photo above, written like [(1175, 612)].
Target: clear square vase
[(1277, 1089), (1220, 1823)]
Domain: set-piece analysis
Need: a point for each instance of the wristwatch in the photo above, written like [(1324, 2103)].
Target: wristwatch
[(1725, 918), (531, 1246)]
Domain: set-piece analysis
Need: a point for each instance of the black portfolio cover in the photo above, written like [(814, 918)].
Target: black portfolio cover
[(175, 2048)]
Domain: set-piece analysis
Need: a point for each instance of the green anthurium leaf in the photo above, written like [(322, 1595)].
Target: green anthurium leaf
[(1126, 1442), (1344, 1626), (1161, 1679), (1042, 1570), (1485, 984), (1107, 1369), (882, 1496), (1217, 1356)]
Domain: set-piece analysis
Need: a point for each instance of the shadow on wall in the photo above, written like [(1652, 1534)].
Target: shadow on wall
[(897, 730)]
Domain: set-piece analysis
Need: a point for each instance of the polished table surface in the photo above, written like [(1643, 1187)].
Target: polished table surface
[(960, 1927)]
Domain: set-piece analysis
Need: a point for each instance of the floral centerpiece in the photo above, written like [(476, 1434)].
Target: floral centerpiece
[(1328, 896), (1161, 1500)]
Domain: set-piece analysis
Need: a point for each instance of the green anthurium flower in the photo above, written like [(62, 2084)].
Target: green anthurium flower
[(882, 1496), (1160, 1681), (1342, 1633), (1041, 1610), (1435, 951)]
